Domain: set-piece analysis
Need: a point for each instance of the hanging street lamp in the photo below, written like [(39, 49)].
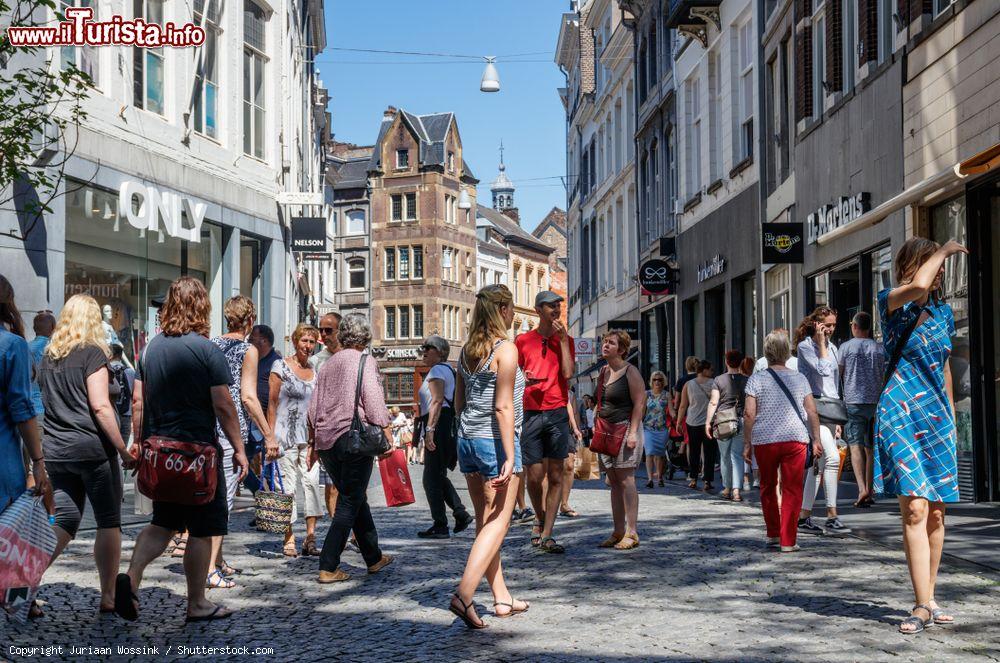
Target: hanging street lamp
[(491, 79)]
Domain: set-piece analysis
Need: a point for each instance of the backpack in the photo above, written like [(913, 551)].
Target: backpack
[(123, 401)]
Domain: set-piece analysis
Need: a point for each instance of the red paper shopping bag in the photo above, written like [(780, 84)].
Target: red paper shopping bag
[(396, 479)]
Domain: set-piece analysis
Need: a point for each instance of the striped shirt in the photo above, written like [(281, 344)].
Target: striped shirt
[(479, 417)]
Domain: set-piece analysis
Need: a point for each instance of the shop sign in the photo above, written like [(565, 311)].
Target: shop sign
[(711, 269), (402, 353), (309, 234), (631, 327), (656, 277), (318, 256), (830, 217), (585, 347), (156, 207), (782, 243), (300, 197)]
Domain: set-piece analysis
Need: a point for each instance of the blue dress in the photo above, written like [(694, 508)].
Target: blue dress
[(15, 408), (915, 446)]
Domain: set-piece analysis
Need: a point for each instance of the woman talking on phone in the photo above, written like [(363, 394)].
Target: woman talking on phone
[(488, 400), (915, 447)]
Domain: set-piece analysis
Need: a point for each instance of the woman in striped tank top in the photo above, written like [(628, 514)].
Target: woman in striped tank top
[(488, 400)]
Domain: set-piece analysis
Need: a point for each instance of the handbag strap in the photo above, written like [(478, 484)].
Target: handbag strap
[(897, 352), (788, 395), (356, 419), (276, 474)]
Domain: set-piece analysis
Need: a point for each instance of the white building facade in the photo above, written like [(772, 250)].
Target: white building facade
[(595, 51), (178, 168)]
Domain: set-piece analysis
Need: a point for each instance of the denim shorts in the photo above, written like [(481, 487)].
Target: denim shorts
[(858, 429), (485, 455)]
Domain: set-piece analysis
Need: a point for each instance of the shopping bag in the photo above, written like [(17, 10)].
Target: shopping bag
[(588, 468), (27, 543), (396, 479), (273, 509)]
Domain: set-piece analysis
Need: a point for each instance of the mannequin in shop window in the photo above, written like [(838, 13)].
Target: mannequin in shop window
[(110, 335)]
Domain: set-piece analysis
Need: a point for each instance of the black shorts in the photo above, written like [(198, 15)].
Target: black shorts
[(203, 520), (545, 434), (99, 481)]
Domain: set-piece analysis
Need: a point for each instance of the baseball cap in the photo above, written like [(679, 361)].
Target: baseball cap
[(547, 297), (157, 302), (438, 343)]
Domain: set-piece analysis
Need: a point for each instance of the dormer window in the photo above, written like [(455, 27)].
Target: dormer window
[(402, 159)]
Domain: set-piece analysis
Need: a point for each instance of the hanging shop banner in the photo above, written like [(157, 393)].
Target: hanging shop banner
[(308, 234), (317, 256), (656, 277), (783, 243)]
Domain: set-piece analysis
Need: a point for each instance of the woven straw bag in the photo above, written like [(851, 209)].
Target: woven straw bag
[(272, 509)]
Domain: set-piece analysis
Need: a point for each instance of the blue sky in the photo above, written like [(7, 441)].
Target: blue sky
[(526, 113)]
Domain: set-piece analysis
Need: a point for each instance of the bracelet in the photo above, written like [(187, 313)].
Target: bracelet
[(429, 429)]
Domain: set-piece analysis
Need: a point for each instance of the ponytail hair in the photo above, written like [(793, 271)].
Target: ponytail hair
[(488, 324), (9, 315)]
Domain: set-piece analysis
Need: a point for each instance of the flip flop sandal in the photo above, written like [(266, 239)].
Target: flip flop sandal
[(917, 623), (463, 614), (549, 545), (210, 616), (180, 548), (126, 602), (513, 611), (569, 513), (941, 616), (220, 582), (610, 541)]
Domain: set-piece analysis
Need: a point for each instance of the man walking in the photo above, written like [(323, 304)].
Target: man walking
[(329, 330), (547, 357), (862, 365)]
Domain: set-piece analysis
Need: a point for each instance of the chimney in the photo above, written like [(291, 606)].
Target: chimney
[(512, 214), (390, 112)]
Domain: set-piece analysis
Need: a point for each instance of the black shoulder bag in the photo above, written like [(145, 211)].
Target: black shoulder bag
[(363, 439)]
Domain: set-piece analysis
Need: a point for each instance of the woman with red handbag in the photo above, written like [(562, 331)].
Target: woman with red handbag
[(621, 401)]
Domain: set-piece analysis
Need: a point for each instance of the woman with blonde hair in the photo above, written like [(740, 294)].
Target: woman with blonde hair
[(292, 381), (656, 427), (81, 441), (489, 401), (621, 401), (915, 454)]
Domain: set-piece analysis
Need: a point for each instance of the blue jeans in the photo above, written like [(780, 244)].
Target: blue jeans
[(731, 460), (859, 427)]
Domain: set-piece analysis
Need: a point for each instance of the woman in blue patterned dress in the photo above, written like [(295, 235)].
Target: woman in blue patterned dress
[(655, 427), (915, 453)]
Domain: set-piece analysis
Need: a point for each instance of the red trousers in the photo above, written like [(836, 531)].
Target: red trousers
[(790, 458)]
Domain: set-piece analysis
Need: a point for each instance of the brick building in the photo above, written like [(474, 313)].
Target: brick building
[(423, 240)]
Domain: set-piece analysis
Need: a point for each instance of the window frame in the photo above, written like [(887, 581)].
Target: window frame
[(213, 33), (389, 260), (141, 57), (402, 158), (745, 87), (255, 56), (410, 200), (81, 54), (389, 322), (352, 271), (396, 207)]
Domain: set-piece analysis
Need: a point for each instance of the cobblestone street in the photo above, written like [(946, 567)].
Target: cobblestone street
[(700, 587)]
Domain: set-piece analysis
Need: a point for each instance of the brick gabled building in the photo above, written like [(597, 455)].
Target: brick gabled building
[(423, 241)]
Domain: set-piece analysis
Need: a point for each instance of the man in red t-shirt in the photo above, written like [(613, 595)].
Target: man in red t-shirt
[(547, 357)]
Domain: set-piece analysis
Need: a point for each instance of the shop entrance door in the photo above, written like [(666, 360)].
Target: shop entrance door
[(715, 327), (984, 319)]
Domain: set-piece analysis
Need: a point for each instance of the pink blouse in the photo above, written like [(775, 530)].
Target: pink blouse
[(332, 406)]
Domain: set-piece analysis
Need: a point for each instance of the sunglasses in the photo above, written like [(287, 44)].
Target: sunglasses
[(327, 330), (657, 379), (545, 346), (426, 348)]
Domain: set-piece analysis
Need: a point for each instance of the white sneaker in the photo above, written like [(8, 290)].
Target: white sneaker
[(790, 549), (746, 485)]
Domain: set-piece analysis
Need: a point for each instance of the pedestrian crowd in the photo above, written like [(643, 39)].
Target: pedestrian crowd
[(308, 429)]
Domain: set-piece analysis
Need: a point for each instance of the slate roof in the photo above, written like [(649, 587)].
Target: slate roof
[(431, 131), (511, 231), (348, 173)]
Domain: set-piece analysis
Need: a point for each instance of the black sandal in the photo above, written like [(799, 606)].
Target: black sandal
[(549, 545), (212, 616), (463, 614), (513, 611), (126, 602), (918, 624)]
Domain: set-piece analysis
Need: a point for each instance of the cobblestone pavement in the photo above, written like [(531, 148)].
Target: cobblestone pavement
[(700, 587)]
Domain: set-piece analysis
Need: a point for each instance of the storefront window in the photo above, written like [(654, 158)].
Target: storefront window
[(948, 221), (779, 299), (251, 271), (881, 260), (123, 267)]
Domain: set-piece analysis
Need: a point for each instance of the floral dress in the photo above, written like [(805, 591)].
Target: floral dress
[(293, 406), (656, 423), (915, 448)]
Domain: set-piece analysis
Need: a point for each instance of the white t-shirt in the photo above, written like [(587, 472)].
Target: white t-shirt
[(776, 420), (761, 365), (438, 372)]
